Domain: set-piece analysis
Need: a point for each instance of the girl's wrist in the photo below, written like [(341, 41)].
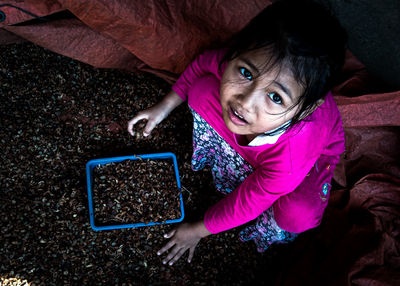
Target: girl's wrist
[(201, 229), (171, 101)]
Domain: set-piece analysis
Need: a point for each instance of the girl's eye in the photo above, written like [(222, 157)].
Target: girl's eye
[(246, 73), (275, 97)]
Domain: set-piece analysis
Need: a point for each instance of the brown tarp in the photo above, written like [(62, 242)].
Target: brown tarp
[(358, 242)]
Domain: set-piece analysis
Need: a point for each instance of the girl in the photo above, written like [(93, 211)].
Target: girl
[(266, 124)]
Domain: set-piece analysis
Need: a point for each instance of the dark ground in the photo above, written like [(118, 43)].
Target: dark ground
[(56, 114), (373, 29)]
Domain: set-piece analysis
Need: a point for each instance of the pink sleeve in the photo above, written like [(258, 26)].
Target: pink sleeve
[(277, 176), (205, 63), (248, 200)]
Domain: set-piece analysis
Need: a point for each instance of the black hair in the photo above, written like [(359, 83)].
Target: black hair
[(301, 35)]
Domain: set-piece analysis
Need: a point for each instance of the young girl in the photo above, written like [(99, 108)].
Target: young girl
[(266, 124)]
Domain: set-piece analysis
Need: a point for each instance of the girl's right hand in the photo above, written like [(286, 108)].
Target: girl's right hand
[(155, 114)]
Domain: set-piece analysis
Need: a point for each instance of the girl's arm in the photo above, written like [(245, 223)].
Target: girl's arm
[(156, 113), (206, 63)]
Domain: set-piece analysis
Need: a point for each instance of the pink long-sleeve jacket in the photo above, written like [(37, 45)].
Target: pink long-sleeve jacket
[(279, 167)]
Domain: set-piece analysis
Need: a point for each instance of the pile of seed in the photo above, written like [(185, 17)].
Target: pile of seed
[(135, 191), (56, 115)]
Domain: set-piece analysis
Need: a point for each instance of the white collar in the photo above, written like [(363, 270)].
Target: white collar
[(268, 137)]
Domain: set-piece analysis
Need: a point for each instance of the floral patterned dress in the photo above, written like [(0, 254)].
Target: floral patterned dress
[(229, 170)]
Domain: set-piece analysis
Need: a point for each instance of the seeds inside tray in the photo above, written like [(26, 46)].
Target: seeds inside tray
[(135, 191)]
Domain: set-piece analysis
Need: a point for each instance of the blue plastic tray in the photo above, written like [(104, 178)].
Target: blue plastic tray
[(89, 175)]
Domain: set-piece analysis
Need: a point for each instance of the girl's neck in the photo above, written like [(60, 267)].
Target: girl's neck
[(244, 140), (250, 138)]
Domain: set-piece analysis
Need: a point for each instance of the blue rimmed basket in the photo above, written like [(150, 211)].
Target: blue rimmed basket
[(155, 156)]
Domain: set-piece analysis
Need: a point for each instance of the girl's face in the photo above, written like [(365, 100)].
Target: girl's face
[(254, 103)]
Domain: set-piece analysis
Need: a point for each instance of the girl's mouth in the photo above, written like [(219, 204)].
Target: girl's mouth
[(236, 117)]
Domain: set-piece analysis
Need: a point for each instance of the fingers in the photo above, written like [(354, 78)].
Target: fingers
[(191, 253), (134, 120), (181, 238), (174, 255), (169, 244), (149, 127), (151, 123), (170, 234), (166, 247)]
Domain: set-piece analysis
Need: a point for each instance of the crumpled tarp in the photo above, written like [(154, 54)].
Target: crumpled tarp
[(358, 242), (157, 36)]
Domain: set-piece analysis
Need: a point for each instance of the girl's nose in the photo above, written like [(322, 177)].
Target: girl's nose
[(248, 100)]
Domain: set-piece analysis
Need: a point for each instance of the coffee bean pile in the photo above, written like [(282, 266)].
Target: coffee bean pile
[(56, 115), (135, 191)]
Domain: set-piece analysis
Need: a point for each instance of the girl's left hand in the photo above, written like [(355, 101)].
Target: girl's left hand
[(184, 237)]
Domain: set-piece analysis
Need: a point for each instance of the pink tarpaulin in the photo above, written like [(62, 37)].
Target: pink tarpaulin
[(358, 242)]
